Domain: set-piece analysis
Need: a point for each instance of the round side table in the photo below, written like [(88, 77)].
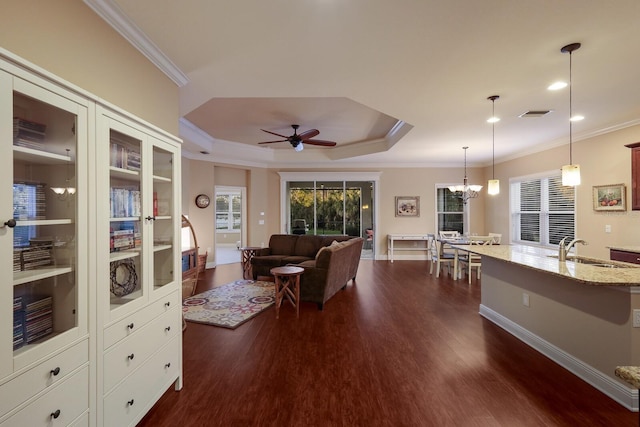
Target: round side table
[(248, 252), (287, 285)]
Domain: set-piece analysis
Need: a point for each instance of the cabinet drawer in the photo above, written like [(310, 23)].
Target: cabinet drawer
[(42, 376), (127, 355), (128, 402), (127, 326), (617, 255), (68, 400)]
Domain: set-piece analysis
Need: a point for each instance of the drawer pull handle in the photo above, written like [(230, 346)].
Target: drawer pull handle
[(130, 357), (167, 304), (130, 402), (150, 218), (168, 365), (168, 328), (55, 414), (130, 326), (55, 372)]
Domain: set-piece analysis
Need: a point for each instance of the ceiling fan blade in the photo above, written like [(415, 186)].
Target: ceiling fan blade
[(273, 133), (309, 134), (271, 142), (320, 142)]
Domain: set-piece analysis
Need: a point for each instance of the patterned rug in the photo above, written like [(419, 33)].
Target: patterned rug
[(229, 305)]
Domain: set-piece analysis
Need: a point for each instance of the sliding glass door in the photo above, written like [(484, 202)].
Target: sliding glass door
[(325, 205)]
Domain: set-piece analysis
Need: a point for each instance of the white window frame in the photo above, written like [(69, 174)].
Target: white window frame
[(230, 194), (465, 209), (514, 208)]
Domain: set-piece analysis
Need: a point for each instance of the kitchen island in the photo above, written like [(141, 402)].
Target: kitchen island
[(579, 315)]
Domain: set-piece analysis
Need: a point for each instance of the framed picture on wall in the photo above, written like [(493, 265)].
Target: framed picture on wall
[(407, 206), (610, 197)]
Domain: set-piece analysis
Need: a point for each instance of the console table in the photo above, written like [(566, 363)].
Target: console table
[(391, 238)]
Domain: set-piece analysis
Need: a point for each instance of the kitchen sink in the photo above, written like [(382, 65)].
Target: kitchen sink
[(596, 262)]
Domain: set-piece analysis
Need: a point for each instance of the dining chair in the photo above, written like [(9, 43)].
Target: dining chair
[(444, 234), (497, 237), (438, 258), (471, 260)]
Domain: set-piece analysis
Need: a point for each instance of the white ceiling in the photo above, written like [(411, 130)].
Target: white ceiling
[(392, 82)]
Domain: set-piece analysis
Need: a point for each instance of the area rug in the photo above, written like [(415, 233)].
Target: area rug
[(229, 305)]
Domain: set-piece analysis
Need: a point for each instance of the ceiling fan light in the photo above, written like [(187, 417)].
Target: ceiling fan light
[(571, 175), (494, 187), (299, 147)]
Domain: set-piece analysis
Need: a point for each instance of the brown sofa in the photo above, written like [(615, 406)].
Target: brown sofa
[(328, 265)]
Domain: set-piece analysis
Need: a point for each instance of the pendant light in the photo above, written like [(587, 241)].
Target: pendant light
[(494, 184), (465, 191), (570, 172)]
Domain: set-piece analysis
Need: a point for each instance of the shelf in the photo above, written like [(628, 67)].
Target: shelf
[(21, 223), (120, 301), (26, 347), (117, 256), (124, 173), (158, 248), (21, 277), (163, 217), (158, 178), (38, 156), (125, 218)]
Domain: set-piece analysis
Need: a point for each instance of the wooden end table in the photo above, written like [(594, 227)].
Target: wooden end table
[(287, 285), (248, 252)]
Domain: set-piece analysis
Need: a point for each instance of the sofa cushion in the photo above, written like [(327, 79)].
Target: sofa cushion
[(295, 259), (282, 244), (307, 246)]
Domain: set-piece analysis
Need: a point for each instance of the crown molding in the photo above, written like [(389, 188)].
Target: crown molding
[(111, 13)]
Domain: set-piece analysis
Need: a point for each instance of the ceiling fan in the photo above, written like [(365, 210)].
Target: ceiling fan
[(296, 140)]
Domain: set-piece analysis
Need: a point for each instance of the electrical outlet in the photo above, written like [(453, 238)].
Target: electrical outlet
[(636, 318), (525, 300), (607, 228)]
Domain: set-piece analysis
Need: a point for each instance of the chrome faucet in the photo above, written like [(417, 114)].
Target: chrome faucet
[(564, 249)]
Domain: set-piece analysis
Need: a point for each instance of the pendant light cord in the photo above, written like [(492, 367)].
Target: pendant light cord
[(493, 139), (570, 110)]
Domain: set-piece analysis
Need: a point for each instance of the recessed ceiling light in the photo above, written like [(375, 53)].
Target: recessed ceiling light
[(493, 120), (557, 86), (576, 118)]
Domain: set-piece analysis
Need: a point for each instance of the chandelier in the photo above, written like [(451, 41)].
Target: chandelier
[(63, 193), (465, 191)]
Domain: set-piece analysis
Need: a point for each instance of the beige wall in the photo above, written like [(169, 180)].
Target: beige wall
[(66, 38), (603, 160)]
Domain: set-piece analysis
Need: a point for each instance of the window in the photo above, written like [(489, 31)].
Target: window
[(228, 212), (542, 210), (449, 211)]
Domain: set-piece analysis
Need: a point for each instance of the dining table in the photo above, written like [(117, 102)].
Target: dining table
[(461, 244)]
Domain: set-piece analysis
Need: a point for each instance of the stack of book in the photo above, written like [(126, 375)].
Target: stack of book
[(124, 157), (28, 134), (18, 323), (122, 240), (38, 318), (124, 203)]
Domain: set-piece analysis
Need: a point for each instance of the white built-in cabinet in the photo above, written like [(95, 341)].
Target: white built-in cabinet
[(90, 317), (140, 302)]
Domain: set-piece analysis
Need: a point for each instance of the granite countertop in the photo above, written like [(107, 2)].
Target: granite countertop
[(540, 259)]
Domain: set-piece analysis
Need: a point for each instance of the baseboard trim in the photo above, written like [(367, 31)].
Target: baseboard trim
[(626, 396)]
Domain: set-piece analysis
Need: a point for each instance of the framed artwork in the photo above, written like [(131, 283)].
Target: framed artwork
[(407, 206), (610, 197)]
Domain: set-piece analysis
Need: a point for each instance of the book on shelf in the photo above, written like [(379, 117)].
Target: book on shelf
[(27, 133), (124, 157), (124, 202), (32, 319)]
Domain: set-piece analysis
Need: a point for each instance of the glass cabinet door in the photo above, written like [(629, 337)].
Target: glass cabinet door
[(46, 144), (164, 215), (126, 222)]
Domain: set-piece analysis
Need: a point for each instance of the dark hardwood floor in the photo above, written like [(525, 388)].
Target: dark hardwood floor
[(400, 348)]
